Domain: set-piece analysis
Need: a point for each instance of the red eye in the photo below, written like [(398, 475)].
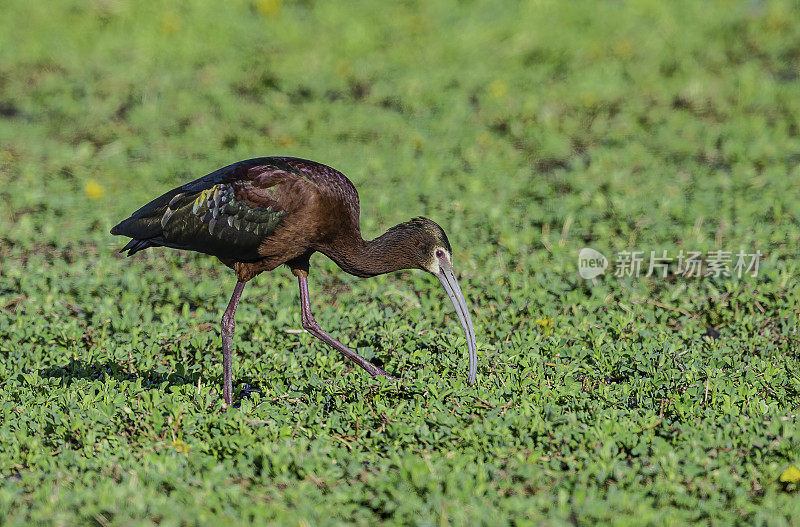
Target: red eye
[(439, 253)]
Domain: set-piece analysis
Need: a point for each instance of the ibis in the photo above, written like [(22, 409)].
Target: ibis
[(258, 214)]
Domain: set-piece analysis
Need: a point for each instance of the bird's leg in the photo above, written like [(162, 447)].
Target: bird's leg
[(228, 325), (310, 325)]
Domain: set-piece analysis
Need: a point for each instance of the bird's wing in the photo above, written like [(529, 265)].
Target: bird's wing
[(227, 213)]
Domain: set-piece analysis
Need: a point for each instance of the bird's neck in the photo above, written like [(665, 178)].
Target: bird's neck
[(385, 254)]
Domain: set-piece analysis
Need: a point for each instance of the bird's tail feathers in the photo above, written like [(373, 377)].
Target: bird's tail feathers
[(134, 246)]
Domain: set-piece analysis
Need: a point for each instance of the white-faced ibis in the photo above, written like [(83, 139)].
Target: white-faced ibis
[(257, 214)]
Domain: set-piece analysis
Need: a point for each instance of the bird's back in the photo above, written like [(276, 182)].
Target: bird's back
[(263, 208)]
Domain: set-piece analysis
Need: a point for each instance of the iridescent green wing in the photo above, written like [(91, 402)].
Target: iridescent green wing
[(216, 222), (227, 213)]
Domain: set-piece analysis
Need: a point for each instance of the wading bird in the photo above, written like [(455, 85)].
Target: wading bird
[(257, 214)]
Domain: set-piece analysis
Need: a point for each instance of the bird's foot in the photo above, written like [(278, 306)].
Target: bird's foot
[(378, 372), (373, 370)]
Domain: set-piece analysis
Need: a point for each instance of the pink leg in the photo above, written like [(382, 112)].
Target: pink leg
[(228, 325), (310, 325)]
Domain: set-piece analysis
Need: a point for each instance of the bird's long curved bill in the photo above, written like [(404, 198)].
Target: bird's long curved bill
[(448, 279)]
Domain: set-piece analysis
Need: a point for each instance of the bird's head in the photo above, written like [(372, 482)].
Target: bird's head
[(431, 252), (425, 242)]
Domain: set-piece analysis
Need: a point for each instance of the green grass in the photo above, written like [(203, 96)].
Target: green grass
[(528, 130)]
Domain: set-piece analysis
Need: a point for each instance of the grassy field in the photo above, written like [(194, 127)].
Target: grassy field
[(529, 130)]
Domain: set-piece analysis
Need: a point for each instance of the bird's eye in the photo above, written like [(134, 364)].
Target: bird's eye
[(439, 253)]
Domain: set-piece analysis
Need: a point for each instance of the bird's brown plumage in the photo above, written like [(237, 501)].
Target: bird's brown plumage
[(304, 207), (257, 214)]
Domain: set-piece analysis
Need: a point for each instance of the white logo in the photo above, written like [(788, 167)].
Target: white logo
[(591, 263)]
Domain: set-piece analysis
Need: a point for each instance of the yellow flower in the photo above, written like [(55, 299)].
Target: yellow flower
[(791, 475), (181, 447), (268, 7), (545, 325), (93, 190), (170, 22), (590, 99), (622, 48), (498, 89), (286, 141)]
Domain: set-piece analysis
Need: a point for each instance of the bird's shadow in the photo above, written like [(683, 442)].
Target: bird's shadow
[(153, 379), (244, 387), (99, 370)]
